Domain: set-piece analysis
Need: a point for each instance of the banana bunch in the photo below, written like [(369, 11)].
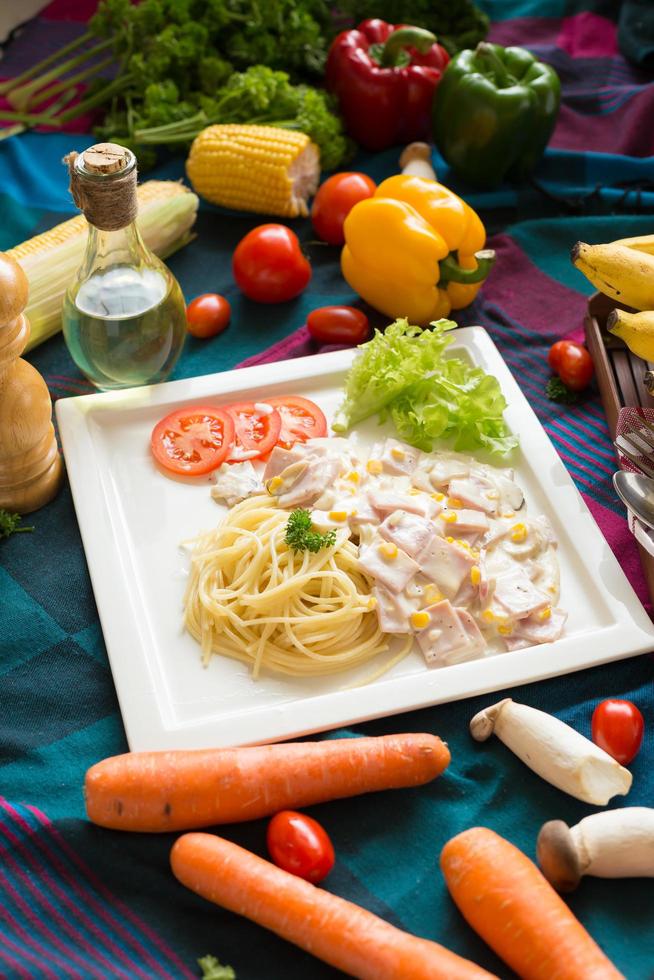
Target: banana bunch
[(624, 270)]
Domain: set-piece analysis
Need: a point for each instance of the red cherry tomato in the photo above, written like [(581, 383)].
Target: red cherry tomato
[(572, 363), (334, 201), (208, 315), (301, 419), (617, 727), (256, 430), (269, 266), (299, 844), (194, 440), (338, 325)]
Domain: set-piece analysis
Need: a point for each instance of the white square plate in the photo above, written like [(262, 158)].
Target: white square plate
[(133, 518)]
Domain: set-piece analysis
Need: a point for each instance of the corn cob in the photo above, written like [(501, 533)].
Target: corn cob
[(167, 211), (255, 168)]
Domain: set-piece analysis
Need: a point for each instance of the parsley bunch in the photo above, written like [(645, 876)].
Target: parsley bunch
[(300, 535), (11, 524)]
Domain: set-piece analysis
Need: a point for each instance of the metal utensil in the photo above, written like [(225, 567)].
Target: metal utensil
[(637, 493), (636, 442)]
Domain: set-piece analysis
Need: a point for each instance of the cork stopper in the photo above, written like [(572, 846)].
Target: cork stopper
[(103, 185), (105, 158)]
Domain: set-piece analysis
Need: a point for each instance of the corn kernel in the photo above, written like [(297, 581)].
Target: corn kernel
[(553, 589), (545, 614), (518, 532), (509, 513), (414, 492), (464, 544), (398, 453), (449, 540), (388, 550), (475, 575), (492, 495), (274, 484), (432, 593), (420, 619), (374, 466), (337, 515), (488, 616), (353, 477), (438, 496), (474, 553), (454, 502), (449, 518), (505, 630)]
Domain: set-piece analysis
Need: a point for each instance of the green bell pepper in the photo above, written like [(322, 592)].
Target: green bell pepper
[(494, 113)]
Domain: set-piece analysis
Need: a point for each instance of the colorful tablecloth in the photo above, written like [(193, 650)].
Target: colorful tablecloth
[(78, 901)]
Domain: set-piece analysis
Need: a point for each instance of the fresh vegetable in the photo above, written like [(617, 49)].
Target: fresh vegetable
[(396, 240), (256, 428), (298, 844), (385, 77), (208, 315), (625, 273), (457, 25), (255, 168), (212, 969), (635, 329), (342, 934), (556, 391), (338, 325), (505, 898), (612, 844), (617, 727), (166, 214), (335, 199), (193, 440), (572, 363), (162, 791), (495, 112), (556, 752), (269, 266), (300, 535), (301, 419), (257, 96), (404, 373), (11, 524)]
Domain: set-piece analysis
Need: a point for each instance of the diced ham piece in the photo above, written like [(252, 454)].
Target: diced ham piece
[(386, 501), (235, 482), (447, 468), (410, 532), (451, 635), (536, 630), (472, 492), (516, 596), (305, 481), (395, 573), (446, 565), (399, 459), (393, 610), (469, 520), (279, 459)]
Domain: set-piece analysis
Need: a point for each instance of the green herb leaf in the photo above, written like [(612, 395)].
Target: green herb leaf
[(559, 392), (404, 374), (212, 969), (300, 535), (10, 524)]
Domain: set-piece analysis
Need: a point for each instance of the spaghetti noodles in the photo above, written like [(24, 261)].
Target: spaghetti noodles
[(251, 597)]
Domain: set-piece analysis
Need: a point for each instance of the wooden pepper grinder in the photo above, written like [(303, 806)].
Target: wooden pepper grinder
[(30, 464)]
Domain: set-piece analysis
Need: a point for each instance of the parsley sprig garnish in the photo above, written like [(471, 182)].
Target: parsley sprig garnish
[(10, 524), (212, 969), (557, 391), (300, 535)]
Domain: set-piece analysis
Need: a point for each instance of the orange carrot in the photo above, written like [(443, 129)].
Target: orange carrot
[(331, 928), (506, 899), (182, 790)]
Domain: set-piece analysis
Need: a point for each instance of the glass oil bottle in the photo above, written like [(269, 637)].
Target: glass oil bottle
[(124, 317)]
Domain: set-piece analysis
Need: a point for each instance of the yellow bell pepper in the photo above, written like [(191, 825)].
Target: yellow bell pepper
[(414, 249)]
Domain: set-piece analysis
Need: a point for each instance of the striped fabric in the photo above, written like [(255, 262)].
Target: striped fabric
[(78, 901)]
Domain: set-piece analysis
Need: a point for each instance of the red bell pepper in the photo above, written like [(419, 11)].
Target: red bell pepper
[(384, 76)]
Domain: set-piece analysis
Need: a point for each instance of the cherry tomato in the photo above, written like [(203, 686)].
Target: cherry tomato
[(299, 844), (194, 440), (572, 363), (269, 266), (617, 727), (334, 201), (256, 430), (301, 419), (208, 315), (338, 325)]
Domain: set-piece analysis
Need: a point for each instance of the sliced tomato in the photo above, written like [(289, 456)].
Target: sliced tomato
[(193, 440), (301, 419), (256, 429)]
